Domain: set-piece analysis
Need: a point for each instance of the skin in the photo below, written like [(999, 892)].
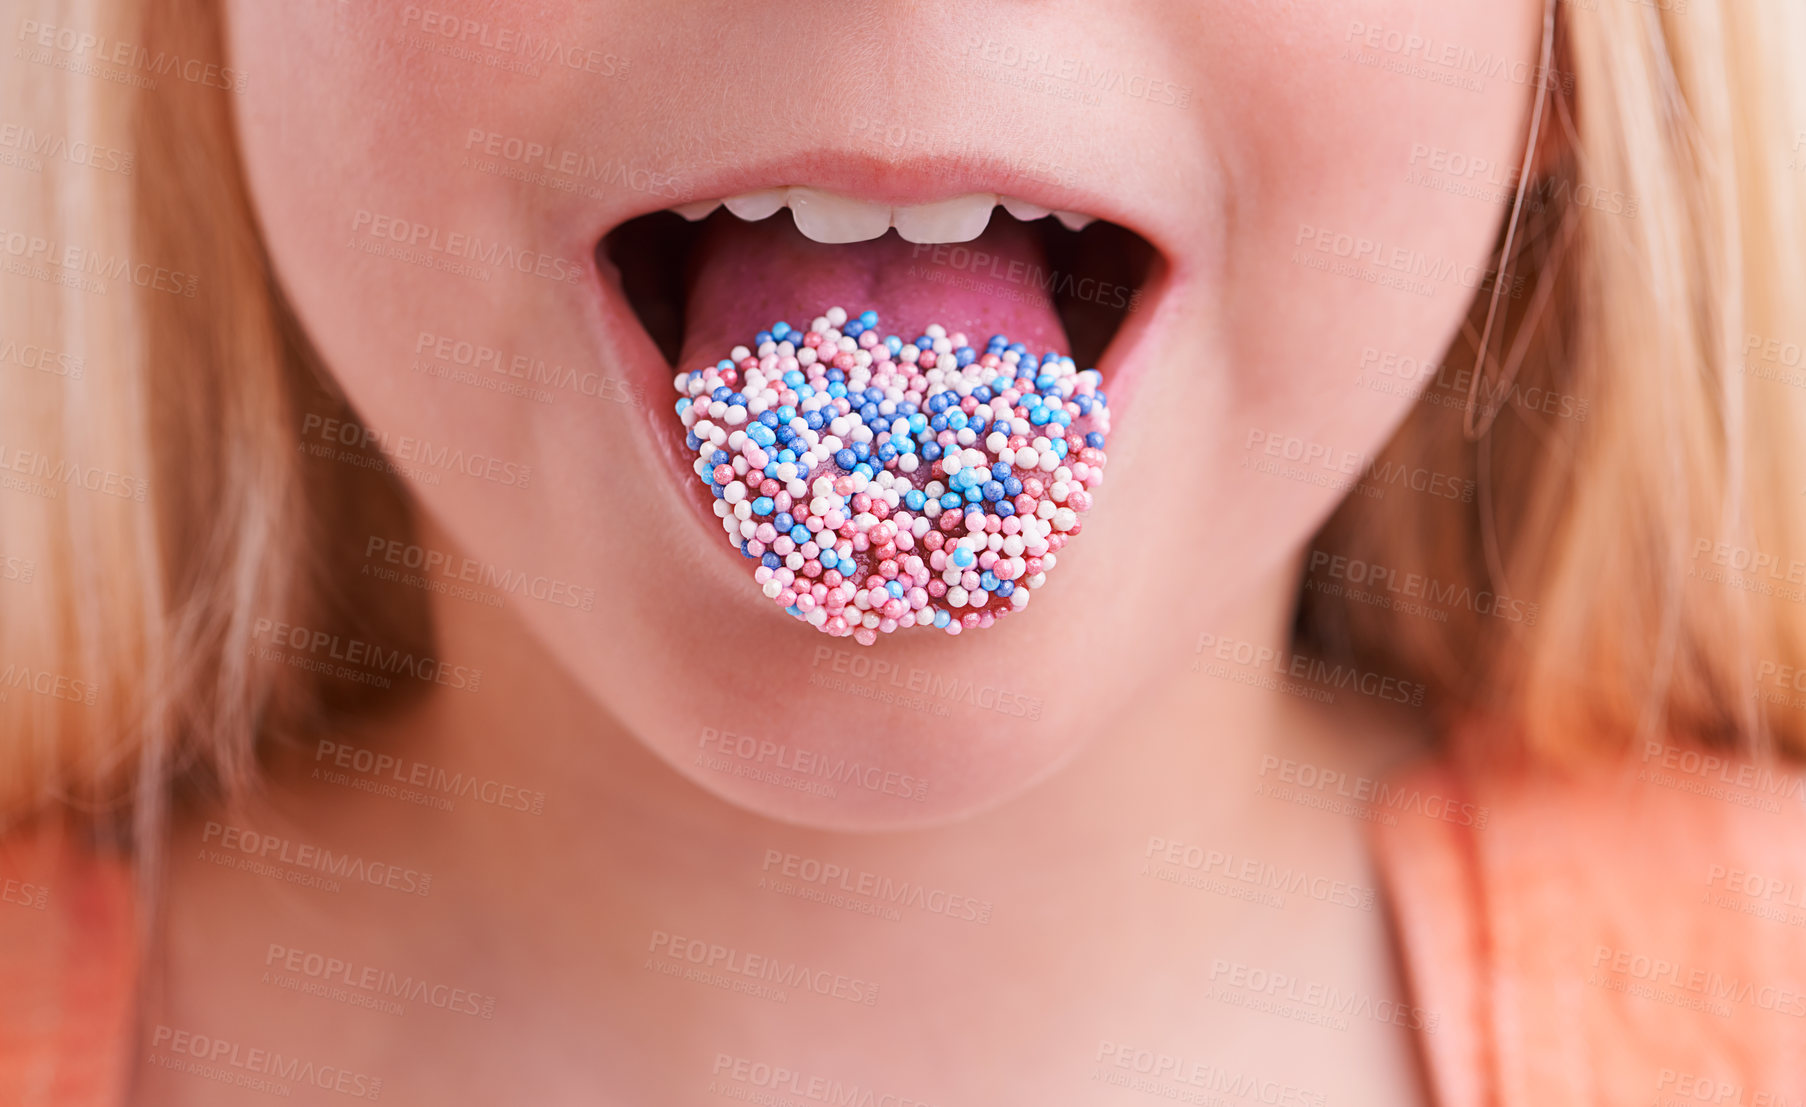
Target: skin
[(1284, 142)]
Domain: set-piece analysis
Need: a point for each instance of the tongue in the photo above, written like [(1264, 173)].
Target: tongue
[(747, 276)]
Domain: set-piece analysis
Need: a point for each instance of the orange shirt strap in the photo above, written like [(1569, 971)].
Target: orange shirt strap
[(1626, 936), (68, 971)]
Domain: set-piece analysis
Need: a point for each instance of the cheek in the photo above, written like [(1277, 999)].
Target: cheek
[(449, 298), (1367, 180), (1352, 234)]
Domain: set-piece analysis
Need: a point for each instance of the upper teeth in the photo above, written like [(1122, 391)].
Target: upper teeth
[(832, 217)]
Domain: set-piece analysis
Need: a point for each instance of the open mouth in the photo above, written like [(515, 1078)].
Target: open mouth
[(891, 411)]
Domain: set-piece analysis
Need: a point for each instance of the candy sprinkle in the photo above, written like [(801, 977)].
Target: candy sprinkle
[(882, 484)]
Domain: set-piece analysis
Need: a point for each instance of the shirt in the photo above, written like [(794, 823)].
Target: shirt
[(1628, 935)]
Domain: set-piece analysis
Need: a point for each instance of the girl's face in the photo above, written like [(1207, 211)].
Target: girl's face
[(1321, 183)]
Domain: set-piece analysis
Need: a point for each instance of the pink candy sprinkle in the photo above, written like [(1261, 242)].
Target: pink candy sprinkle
[(895, 485)]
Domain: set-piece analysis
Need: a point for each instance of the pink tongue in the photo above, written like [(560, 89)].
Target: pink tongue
[(747, 276)]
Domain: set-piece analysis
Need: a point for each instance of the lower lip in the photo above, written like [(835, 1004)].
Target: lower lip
[(1122, 366)]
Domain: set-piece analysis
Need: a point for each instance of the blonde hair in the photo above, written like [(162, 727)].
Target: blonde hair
[(185, 388), (1648, 534)]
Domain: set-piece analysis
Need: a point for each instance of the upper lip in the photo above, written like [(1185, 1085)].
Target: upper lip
[(901, 183)]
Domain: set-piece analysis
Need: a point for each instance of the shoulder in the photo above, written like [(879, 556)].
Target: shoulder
[(68, 969), (1608, 935)]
